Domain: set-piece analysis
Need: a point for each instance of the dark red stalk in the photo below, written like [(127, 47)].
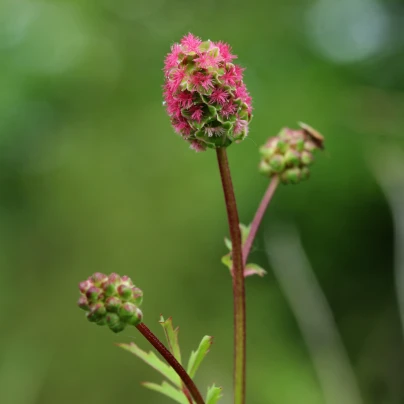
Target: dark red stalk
[(238, 280), (169, 357)]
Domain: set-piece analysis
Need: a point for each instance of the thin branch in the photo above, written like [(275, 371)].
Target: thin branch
[(269, 193)]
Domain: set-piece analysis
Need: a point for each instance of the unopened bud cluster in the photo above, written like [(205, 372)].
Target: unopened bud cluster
[(111, 300), (205, 96), (290, 153)]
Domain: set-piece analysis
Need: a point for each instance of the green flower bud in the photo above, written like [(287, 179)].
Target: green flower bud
[(126, 311), (292, 158), (277, 163), (109, 288), (136, 318), (98, 278), (85, 285), (114, 323), (98, 310), (125, 292), (137, 296), (289, 154), (93, 294), (111, 300), (127, 281), (291, 175), (83, 303), (265, 168), (113, 304)]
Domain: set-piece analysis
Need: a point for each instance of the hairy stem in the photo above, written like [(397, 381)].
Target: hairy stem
[(238, 280), (269, 193), (166, 354)]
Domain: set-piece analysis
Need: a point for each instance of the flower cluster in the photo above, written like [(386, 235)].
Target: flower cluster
[(111, 300), (290, 153), (205, 97)]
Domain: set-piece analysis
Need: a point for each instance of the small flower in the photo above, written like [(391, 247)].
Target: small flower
[(111, 300), (205, 96), (290, 154)]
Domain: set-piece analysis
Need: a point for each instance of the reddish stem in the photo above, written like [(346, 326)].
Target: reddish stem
[(238, 279), (269, 193), (169, 357)]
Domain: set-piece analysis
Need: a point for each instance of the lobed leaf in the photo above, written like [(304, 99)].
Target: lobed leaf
[(171, 336), (168, 390), (213, 395), (197, 356), (152, 360)]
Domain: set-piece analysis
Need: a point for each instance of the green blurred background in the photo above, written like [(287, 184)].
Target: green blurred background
[(92, 178)]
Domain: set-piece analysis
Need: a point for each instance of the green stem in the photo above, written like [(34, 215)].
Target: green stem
[(269, 193), (169, 357), (238, 279)]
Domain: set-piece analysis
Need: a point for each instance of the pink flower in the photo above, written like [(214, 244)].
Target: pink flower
[(200, 79), (197, 113), (225, 52), (197, 146), (229, 109), (219, 96), (205, 96), (190, 43), (172, 58), (186, 99)]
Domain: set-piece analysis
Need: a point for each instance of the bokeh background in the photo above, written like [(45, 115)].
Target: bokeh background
[(92, 178)]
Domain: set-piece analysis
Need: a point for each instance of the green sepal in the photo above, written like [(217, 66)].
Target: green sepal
[(205, 46), (214, 395), (168, 390), (171, 334), (152, 360), (197, 356)]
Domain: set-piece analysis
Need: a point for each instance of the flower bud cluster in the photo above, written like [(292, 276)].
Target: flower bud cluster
[(290, 153), (111, 300), (205, 96)]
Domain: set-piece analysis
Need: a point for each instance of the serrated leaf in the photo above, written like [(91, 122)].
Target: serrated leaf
[(171, 336), (226, 260), (214, 394), (228, 244), (197, 356), (152, 360), (254, 269), (168, 390)]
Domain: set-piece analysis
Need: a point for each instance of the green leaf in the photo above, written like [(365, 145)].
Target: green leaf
[(254, 269), (171, 336), (227, 243), (151, 359), (226, 260), (245, 231), (197, 356), (214, 394), (168, 391)]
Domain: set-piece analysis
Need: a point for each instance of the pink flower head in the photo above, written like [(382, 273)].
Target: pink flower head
[(205, 96)]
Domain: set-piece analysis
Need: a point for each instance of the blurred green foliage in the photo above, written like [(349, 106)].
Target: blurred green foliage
[(92, 178)]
